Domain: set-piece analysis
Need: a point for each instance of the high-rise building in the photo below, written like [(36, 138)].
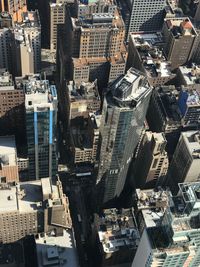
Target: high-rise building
[(87, 8), (85, 139), (12, 112), (197, 13), (146, 54), (169, 227), (151, 165), (23, 54), (33, 207), (164, 115), (8, 160), (30, 24), (81, 99), (51, 252), (117, 236), (189, 104), (15, 8), (41, 120), (124, 110), (26, 46), (180, 36), (95, 48), (188, 77), (5, 41), (184, 166), (152, 16), (195, 57), (80, 108), (57, 16)]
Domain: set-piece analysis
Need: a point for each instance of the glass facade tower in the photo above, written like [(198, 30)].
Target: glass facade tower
[(123, 117), (41, 120)]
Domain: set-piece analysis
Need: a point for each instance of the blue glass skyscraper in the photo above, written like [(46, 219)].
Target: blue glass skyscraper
[(41, 120)]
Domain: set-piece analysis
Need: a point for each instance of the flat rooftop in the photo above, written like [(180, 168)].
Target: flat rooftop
[(57, 251), (167, 98), (94, 2), (152, 205), (37, 91), (149, 46), (83, 91), (8, 153), (30, 19), (193, 97), (81, 134), (5, 79), (100, 21), (180, 27), (117, 230), (24, 197), (192, 141), (190, 75)]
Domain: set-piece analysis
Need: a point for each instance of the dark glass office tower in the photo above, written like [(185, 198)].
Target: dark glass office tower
[(124, 110), (41, 119)]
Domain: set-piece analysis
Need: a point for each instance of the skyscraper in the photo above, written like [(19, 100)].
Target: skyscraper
[(123, 115), (95, 48), (57, 16), (31, 27), (169, 227), (30, 208), (151, 18), (12, 119), (180, 39), (5, 40), (184, 166), (41, 119), (145, 52), (151, 164)]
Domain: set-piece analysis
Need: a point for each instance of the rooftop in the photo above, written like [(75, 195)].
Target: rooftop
[(5, 79), (152, 204), (192, 141), (37, 91), (101, 21), (187, 207), (149, 47), (191, 75), (94, 2), (30, 19), (117, 230), (57, 250), (83, 91), (26, 196), (180, 27), (5, 15), (8, 153), (193, 96), (167, 97), (23, 38), (81, 137), (83, 130), (128, 89), (5, 20)]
